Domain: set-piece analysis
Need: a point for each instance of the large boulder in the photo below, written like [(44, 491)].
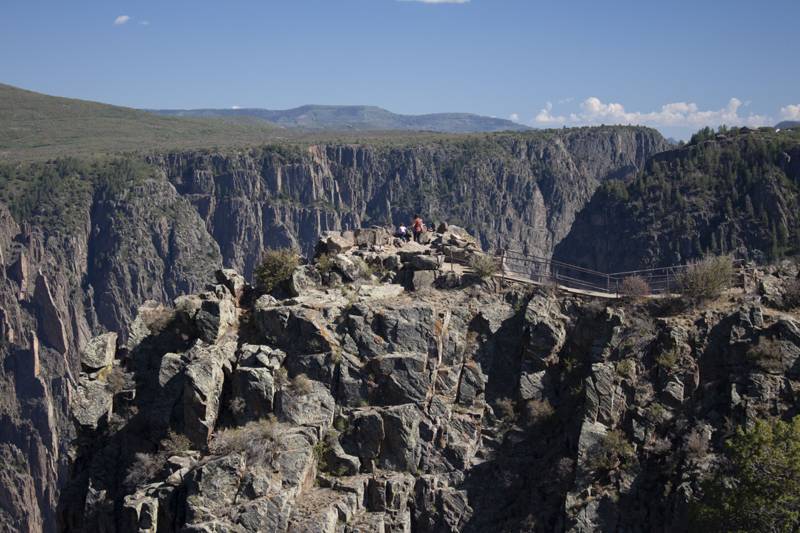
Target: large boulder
[(605, 398), (401, 377), (303, 278), (204, 378), (400, 449), (140, 513), (372, 237), (401, 328), (99, 352), (335, 243), (422, 279), (233, 281), (364, 434), (295, 329), (213, 487), (215, 317), (546, 332), (350, 267), (255, 389), (306, 403), (92, 404)]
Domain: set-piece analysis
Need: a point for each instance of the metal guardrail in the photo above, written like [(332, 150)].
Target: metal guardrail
[(662, 280)]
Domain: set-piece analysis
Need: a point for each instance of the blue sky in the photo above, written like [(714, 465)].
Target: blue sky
[(675, 65)]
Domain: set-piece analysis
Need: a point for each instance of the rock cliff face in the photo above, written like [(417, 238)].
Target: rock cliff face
[(518, 190), (83, 252), (439, 402), (734, 194)]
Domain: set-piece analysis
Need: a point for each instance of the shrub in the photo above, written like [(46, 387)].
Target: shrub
[(791, 294), (758, 486), (144, 468), (505, 409), (706, 279), (634, 288), (612, 452), (175, 443), (237, 406), (537, 411), (276, 268), (247, 438), (365, 270), (117, 380), (159, 319), (565, 470), (302, 385), (767, 354), (324, 264), (321, 449), (484, 265), (696, 445), (668, 360), (626, 368), (281, 377)]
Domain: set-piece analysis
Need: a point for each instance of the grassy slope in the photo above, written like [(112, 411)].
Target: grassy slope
[(37, 126)]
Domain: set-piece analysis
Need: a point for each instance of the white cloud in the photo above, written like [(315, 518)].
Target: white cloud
[(145, 23), (791, 112), (546, 116), (236, 107), (438, 1), (675, 114), (120, 20), (514, 117)]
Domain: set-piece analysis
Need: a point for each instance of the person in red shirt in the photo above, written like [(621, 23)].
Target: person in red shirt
[(418, 226)]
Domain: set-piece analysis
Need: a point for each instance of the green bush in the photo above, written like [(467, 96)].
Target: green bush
[(706, 279), (668, 360), (483, 265), (758, 486), (276, 268), (612, 452)]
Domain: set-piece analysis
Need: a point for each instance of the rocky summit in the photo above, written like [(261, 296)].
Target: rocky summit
[(390, 386)]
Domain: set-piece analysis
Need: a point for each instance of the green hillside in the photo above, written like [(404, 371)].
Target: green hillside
[(37, 126)]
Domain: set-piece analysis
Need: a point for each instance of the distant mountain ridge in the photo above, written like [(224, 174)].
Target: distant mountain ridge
[(786, 124), (357, 118)]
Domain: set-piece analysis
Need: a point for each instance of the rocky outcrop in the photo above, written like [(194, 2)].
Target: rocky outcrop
[(477, 406), (91, 242)]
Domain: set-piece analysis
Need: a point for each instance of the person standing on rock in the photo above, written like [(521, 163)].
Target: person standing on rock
[(418, 226)]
